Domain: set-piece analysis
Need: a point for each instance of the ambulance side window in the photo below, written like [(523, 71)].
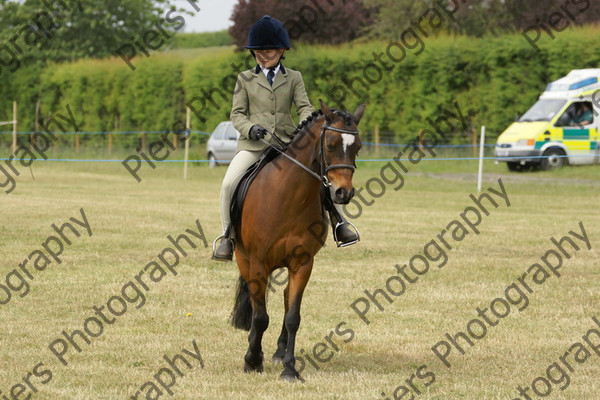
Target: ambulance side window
[(578, 114), (566, 118)]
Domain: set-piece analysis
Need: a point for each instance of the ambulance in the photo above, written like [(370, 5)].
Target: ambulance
[(563, 127)]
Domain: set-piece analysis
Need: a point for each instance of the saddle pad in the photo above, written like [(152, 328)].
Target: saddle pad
[(237, 202)]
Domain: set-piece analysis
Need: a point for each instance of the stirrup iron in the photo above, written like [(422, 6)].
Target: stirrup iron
[(224, 236), (214, 245), (335, 231)]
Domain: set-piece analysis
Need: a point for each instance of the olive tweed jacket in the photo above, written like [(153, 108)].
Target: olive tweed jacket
[(257, 102)]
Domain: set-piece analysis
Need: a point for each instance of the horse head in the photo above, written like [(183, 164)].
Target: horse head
[(340, 143)]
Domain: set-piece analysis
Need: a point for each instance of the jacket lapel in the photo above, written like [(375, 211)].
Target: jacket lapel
[(261, 79), (280, 78)]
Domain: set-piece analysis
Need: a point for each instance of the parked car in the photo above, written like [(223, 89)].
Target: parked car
[(222, 144)]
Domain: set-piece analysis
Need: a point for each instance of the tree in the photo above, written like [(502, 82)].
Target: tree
[(313, 21), (534, 12), (478, 18), (392, 17), (65, 30)]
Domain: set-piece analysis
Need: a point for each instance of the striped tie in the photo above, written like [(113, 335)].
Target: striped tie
[(271, 76)]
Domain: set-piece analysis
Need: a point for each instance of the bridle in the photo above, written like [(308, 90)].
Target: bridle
[(323, 160), (324, 168)]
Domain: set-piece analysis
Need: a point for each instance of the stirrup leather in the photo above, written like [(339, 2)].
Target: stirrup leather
[(335, 231)]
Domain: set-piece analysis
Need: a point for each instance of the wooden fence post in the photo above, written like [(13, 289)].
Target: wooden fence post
[(376, 138), (37, 124), (110, 135), (14, 131), (187, 142)]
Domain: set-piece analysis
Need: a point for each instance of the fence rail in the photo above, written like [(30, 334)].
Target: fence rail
[(374, 147), (106, 132), (358, 160)]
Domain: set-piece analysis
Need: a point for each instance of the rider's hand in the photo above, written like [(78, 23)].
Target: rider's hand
[(257, 132)]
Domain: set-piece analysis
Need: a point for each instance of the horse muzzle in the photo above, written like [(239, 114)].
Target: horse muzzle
[(342, 196)]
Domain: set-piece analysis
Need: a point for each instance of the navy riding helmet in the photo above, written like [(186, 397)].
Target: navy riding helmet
[(268, 33)]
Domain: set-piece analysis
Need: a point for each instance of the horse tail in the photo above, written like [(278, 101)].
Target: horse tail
[(241, 316)]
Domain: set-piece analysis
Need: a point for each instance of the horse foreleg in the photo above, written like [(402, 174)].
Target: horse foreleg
[(297, 284), (260, 321), (283, 336)]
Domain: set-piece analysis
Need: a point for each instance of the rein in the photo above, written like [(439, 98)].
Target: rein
[(292, 159), (324, 168)]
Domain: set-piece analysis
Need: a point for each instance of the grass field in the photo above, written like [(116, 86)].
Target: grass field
[(130, 223)]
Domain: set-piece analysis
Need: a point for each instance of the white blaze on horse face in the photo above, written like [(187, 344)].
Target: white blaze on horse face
[(347, 140)]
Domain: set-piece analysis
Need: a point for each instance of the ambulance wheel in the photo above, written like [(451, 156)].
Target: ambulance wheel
[(515, 166), (553, 159)]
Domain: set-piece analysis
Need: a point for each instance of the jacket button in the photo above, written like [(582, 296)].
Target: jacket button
[(272, 98), (272, 112)]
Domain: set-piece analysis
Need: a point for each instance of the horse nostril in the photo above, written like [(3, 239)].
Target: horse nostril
[(351, 195), (340, 193)]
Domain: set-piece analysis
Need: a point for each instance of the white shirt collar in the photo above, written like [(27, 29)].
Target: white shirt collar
[(266, 70)]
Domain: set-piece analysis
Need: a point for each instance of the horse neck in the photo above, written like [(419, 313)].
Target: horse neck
[(304, 149), (305, 146)]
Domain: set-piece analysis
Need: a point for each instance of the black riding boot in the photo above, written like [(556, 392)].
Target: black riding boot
[(342, 233), (225, 250)]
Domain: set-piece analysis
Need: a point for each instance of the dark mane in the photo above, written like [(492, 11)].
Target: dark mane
[(307, 121), (346, 116)]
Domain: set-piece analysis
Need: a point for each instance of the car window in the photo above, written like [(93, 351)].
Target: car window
[(219, 131), (577, 114), (231, 133)]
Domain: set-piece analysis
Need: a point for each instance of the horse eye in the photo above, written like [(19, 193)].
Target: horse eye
[(330, 144)]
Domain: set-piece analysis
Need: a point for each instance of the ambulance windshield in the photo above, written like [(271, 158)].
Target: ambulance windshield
[(543, 110)]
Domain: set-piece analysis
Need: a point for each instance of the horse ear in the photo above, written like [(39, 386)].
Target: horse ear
[(358, 113), (326, 110)]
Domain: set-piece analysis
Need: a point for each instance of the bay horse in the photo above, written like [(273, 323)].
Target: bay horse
[(282, 205)]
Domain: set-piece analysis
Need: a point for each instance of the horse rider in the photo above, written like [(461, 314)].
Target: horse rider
[(262, 110)]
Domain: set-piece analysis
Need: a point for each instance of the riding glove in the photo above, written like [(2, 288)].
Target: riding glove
[(257, 132)]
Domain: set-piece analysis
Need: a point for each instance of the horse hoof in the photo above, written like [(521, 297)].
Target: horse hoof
[(253, 364), (253, 368), (293, 377), (288, 378)]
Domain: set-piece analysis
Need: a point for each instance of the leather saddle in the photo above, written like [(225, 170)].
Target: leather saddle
[(239, 195)]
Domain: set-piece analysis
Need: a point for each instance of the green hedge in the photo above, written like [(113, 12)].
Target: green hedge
[(205, 39), (492, 79)]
